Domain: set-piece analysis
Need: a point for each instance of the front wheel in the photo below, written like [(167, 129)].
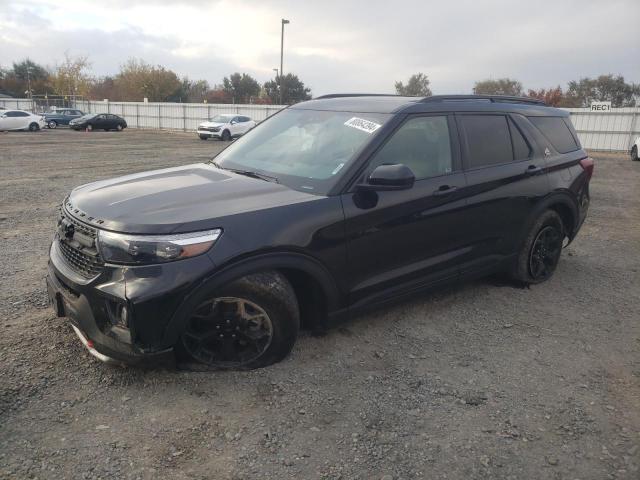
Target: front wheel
[(250, 323), (119, 127), (226, 136), (203, 137), (634, 154), (541, 249), (89, 128), (34, 127), (52, 124)]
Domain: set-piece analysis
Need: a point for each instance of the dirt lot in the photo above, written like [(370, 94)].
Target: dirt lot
[(479, 381)]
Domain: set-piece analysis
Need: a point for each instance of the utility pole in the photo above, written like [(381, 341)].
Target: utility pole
[(283, 23)]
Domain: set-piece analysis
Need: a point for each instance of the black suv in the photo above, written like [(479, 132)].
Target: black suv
[(330, 206)]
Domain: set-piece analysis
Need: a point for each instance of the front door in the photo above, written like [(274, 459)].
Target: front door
[(399, 240)]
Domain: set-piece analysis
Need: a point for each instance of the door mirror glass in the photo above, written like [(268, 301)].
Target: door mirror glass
[(390, 177)]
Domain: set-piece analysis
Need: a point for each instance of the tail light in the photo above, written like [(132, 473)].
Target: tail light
[(587, 165)]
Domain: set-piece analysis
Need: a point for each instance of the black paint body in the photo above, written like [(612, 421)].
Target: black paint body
[(360, 248)]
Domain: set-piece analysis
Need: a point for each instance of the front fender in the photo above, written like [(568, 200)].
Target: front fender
[(245, 266)]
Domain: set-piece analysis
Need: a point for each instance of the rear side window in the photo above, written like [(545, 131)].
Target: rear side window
[(521, 149), (557, 132), (488, 139)]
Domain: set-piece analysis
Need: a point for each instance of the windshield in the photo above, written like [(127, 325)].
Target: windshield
[(304, 149), (221, 118)]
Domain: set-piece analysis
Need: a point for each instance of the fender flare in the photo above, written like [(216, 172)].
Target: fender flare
[(556, 198), (245, 266)]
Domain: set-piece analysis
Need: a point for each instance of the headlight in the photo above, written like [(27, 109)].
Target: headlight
[(146, 249), (216, 129)]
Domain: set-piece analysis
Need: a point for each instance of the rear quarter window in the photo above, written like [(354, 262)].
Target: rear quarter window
[(557, 132)]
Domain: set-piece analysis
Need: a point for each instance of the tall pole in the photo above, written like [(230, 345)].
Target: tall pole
[(282, 55)]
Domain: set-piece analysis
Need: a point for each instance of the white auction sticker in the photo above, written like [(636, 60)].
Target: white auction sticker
[(362, 124)]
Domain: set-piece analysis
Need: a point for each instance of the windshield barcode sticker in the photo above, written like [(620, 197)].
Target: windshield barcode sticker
[(362, 124)]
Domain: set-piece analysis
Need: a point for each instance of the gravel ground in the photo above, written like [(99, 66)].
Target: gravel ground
[(478, 381)]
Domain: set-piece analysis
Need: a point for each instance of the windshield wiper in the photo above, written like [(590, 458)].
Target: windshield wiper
[(249, 173)]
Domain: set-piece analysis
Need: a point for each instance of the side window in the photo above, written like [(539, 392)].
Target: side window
[(11, 114), (422, 144), (488, 139), (557, 132), (521, 149), (21, 114)]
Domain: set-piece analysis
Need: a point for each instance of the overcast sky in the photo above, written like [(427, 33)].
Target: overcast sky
[(336, 46)]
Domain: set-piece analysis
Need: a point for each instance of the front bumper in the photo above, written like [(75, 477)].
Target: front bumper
[(153, 294), (208, 133)]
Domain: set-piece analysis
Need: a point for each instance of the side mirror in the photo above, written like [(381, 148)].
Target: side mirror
[(233, 122), (389, 177)]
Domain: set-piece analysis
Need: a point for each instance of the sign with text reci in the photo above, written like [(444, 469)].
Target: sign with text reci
[(600, 106)]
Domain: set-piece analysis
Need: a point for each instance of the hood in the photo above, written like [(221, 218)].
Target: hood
[(175, 200), (211, 124)]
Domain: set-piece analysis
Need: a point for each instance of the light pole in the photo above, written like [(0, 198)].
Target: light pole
[(277, 78), (283, 23)]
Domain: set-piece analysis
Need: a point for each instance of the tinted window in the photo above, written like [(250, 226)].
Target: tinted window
[(245, 119), (557, 132), (422, 144), (521, 149), (11, 114), (488, 139)]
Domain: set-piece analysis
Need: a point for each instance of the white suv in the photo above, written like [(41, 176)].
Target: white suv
[(20, 120), (225, 127), (635, 150)]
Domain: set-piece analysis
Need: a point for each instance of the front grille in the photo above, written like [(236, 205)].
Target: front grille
[(80, 250)]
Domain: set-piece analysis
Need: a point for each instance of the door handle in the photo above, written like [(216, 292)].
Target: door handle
[(533, 170), (445, 190)]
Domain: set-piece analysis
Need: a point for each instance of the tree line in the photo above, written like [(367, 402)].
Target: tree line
[(137, 80), (578, 93)]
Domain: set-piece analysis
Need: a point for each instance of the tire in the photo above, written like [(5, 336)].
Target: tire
[(89, 128), (52, 124), (106, 129), (270, 302), (634, 153), (34, 127), (119, 128), (203, 137), (226, 136), (540, 252)]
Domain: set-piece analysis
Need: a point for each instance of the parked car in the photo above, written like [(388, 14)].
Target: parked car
[(635, 149), (225, 127), (99, 121), (329, 207), (20, 120), (62, 116)]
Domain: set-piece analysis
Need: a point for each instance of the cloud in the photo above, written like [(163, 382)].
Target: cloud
[(337, 45)]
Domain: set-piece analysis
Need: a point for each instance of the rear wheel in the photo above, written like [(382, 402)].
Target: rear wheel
[(541, 249), (634, 153), (52, 124), (250, 323), (34, 127), (226, 136)]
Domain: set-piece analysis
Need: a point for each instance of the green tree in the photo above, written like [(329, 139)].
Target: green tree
[(191, 91), (609, 88), (293, 90), (15, 82), (241, 87), (501, 86), (417, 86), (138, 79)]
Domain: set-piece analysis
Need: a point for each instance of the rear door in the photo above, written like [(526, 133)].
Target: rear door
[(10, 120), (401, 240), (505, 178)]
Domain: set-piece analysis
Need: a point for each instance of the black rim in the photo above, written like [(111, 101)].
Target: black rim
[(228, 332), (545, 253)]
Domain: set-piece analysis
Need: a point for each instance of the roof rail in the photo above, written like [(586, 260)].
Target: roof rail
[(490, 98), (343, 95)]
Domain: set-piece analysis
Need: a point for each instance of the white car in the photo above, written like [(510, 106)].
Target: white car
[(225, 127), (20, 120), (635, 150)]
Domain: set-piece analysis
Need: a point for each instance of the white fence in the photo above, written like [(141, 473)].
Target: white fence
[(607, 131)]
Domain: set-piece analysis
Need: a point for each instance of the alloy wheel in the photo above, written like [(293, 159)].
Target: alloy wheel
[(228, 332), (545, 253)]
